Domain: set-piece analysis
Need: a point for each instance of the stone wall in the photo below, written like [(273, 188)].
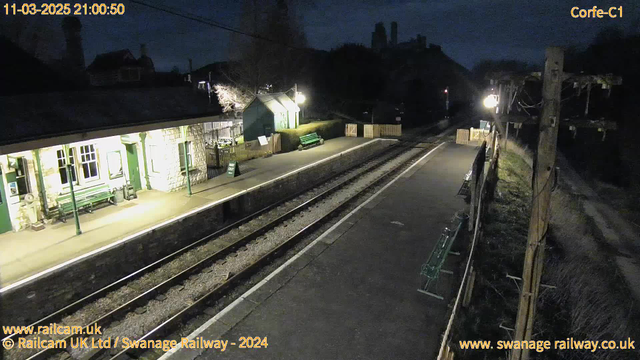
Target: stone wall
[(165, 174), (46, 294)]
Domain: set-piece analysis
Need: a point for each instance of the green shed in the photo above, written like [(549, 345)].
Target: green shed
[(269, 113)]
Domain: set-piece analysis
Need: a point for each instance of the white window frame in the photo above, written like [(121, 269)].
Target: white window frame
[(74, 167), (88, 155)]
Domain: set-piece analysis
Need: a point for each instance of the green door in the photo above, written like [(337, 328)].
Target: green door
[(5, 220), (134, 169)]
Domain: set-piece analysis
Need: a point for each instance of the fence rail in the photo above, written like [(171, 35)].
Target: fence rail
[(477, 209)]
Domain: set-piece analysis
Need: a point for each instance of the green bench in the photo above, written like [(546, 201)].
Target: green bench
[(310, 140), (433, 267), (85, 198)]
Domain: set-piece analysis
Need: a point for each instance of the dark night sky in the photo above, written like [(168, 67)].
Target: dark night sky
[(467, 30)]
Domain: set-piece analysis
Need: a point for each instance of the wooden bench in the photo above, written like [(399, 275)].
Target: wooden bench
[(310, 140), (433, 267), (85, 198)]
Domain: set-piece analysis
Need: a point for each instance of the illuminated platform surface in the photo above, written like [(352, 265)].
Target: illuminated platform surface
[(352, 294), (26, 253)]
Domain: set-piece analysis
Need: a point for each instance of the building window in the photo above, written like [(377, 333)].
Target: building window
[(62, 170), (114, 163), (22, 176), (154, 158), (181, 153), (89, 162)]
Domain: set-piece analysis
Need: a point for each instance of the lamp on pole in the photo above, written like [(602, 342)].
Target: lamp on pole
[(299, 99), (73, 195), (446, 92), (184, 130)]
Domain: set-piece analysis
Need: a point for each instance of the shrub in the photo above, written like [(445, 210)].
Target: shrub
[(326, 129)]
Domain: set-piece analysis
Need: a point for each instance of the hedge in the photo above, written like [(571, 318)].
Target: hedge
[(328, 129)]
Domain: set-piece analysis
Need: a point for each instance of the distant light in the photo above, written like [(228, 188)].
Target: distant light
[(490, 101), (446, 91), (300, 98), (200, 82)]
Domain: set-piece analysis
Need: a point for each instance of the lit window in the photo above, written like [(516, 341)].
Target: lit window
[(62, 162), (89, 162), (22, 176), (114, 163), (181, 153)]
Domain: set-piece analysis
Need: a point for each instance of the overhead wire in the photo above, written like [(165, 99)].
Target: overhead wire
[(212, 23)]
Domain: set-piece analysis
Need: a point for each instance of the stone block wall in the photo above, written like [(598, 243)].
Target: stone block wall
[(166, 156)]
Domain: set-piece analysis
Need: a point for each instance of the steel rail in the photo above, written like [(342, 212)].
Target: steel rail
[(106, 319), (251, 269)]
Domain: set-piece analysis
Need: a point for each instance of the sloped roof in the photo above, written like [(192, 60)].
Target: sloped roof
[(46, 115), (20, 72), (112, 61), (277, 102)]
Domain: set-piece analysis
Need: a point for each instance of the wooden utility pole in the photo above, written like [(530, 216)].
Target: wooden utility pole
[(540, 208)]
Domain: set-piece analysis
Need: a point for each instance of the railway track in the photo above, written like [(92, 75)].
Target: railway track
[(218, 262)]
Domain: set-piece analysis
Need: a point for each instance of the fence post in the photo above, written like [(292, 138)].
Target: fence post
[(472, 187)]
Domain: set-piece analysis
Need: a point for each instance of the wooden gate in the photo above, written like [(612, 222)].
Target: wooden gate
[(351, 130)]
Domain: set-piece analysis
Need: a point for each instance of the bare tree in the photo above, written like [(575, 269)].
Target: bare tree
[(273, 59)]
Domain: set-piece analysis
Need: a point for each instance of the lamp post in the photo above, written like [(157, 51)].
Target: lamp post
[(446, 92), (184, 130), (73, 195), (299, 98)]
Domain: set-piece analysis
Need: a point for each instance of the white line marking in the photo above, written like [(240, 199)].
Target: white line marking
[(172, 220), (229, 307)]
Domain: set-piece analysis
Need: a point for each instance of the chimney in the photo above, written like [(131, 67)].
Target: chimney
[(394, 34), (74, 55), (143, 50)]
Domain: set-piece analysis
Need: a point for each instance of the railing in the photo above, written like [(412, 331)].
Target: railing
[(479, 191)]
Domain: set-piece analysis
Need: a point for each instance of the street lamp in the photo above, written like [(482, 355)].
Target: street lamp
[(490, 101), (446, 91), (300, 98)]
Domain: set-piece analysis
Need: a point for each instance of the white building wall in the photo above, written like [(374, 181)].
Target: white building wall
[(166, 177)]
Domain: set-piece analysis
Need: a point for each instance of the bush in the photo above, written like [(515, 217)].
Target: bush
[(326, 129)]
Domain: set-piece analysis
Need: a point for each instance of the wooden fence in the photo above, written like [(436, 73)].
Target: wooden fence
[(473, 136), (376, 130), (390, 130), (462, 137), (480, 188), (220, 157)]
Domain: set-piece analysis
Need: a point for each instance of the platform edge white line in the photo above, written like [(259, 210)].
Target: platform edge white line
[(242, 297)]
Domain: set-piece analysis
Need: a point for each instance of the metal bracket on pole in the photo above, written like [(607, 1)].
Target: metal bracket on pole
[(516, 279)]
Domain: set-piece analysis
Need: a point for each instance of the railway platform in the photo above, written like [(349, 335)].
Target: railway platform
[(352, 293), (28, 254)]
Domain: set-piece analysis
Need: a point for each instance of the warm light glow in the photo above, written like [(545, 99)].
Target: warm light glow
[(446, 91), (300, 98), (490, 101)]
